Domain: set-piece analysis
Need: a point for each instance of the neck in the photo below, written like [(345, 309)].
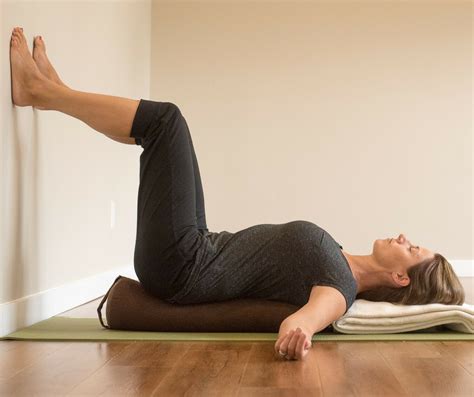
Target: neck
[(366, 271)]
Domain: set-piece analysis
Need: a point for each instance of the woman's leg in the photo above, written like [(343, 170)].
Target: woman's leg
[(47, 69), (128, 141), (200, 207), (107, 114), (110, 115), (169, 246), (168, 242)]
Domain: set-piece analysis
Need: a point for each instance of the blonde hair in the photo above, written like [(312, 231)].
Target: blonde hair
[(432, 281)]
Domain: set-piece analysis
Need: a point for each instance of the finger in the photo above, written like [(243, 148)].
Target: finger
[(280, 340), (300, 346), (286, 341), (292, 344)]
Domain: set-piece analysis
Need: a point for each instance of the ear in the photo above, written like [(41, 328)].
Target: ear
[(400, 279)]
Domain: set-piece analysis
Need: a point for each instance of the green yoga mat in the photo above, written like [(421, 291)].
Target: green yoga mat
[(69, 328)]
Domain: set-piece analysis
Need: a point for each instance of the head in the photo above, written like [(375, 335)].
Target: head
[(417, 275)]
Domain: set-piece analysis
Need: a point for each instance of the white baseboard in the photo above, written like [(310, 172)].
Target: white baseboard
[(31, 309)]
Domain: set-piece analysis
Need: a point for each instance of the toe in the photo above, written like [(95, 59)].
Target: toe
[(18, 33), (38, 44)]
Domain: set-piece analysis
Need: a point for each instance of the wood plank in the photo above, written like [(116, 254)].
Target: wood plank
[(265, 369), (119, 380), (362, 369), (207, 369), (408, 349), (278, 392), (61, 371), (429, 376), (333, 372), (8, 344), (462, 352), (151, 354), (136, 370), (19, 355)]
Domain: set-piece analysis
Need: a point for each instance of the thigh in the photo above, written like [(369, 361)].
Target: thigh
[(200, 204), (168, 242)]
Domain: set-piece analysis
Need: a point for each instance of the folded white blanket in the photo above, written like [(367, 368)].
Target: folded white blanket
[(368, 317)]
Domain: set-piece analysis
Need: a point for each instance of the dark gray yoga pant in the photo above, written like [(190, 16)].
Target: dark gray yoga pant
[(171, 219)]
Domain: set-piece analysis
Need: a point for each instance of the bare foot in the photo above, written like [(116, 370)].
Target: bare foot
[(42, 61), (26, 77)]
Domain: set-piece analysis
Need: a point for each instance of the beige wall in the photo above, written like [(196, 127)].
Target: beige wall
[(355, 116), (58, 176), (346, 115)]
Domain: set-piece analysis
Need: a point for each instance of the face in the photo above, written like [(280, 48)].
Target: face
[(398, 254)]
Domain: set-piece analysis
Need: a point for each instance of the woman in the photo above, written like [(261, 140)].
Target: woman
[(176, 257)]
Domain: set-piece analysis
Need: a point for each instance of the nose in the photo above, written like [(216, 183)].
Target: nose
[(401, 238)]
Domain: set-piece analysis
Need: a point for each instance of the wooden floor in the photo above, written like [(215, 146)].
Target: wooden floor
[(235, 369), (410, 368)]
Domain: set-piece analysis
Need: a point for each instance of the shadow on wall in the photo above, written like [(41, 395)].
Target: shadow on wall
[(20, 222)]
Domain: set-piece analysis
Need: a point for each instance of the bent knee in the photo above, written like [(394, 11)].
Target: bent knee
[(169, 111)]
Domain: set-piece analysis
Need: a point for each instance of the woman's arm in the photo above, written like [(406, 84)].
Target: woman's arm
[(326, 304)]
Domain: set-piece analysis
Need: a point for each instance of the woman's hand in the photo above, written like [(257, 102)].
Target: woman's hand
[(294, 343)]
